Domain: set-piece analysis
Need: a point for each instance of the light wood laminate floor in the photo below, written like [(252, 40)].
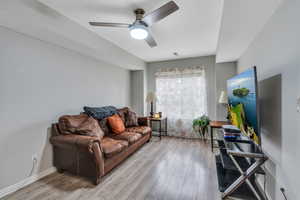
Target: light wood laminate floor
[(170, 169)]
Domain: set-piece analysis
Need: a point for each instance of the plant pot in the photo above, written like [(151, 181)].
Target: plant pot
[(202, 131)]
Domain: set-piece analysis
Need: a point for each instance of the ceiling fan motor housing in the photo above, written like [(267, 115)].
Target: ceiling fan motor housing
[(139, 13)]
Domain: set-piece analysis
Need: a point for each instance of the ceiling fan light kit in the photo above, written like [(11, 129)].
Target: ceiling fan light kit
[(139, 29)]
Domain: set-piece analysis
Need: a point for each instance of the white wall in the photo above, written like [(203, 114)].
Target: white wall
[(276, 50), (38, 83)]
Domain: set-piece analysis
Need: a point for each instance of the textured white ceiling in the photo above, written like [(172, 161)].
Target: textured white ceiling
[(34, 19), (191, 31), (195, 30), (242, 20)]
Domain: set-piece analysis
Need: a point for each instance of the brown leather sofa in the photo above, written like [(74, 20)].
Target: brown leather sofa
[(92, 157)]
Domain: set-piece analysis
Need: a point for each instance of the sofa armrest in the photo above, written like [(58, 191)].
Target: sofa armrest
[(80, 142), (80, 145), (143, 121)]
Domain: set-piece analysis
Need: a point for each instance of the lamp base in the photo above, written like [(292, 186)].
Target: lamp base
[(151, 111), (151, 114)]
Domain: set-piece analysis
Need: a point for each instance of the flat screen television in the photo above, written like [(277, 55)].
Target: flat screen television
[(243, 103)]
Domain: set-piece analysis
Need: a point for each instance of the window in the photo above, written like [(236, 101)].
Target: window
[(181, 97)]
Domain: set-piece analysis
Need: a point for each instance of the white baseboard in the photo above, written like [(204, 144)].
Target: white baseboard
[(12, 188)]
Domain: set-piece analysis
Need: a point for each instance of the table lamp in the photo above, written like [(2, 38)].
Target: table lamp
[(224, 101), (151, 98), (223, 98)]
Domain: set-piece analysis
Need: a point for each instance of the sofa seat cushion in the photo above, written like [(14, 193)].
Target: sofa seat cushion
[(111, 147), (130, 137), (139, 129)]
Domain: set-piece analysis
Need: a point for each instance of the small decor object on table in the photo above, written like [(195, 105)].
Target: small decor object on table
[(157, 115), (231, 133), (160, 114), (200, 125)]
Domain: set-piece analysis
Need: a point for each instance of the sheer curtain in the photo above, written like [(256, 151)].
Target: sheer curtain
[(182, 97)]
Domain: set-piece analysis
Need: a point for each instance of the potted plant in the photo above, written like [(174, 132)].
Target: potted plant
[(200, 125)]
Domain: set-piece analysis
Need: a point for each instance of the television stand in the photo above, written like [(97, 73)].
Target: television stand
[(237, 164)]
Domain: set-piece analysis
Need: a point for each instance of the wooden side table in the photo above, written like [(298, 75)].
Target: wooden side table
[(217, 125), (160, 121)]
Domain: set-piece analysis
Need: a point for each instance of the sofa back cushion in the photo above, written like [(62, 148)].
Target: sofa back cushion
[(128, 116), (116, 124), (80, 124)]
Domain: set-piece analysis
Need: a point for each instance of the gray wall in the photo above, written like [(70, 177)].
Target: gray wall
[(224, 71), (270, 100), (276, 51), (137, 91), (216, 75), (38, 83)]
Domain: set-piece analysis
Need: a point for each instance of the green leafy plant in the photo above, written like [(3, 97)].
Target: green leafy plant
[(200, 124)]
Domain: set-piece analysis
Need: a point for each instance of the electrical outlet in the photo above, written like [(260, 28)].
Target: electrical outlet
[(298, 105), (34, 158)]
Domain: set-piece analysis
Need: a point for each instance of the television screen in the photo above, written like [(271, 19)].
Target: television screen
[(242, 100)]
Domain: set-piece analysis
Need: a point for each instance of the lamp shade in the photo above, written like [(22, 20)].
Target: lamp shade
[(223, 98), (151, 97)]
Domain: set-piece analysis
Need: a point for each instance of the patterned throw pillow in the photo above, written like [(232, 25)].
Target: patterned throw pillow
[(116, 124), (123, 112), (131, 119)]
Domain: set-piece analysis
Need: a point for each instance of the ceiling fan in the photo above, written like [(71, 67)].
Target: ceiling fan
[(139, 29)]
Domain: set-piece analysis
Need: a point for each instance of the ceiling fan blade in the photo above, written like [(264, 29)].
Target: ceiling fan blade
[(160, 13), (105, 24), (150, 40)]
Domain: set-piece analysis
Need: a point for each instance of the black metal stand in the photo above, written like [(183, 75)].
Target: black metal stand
[(236, 168)]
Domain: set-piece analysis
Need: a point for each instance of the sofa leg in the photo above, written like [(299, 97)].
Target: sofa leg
[(97, 181), (149, 138), (59, 170)]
